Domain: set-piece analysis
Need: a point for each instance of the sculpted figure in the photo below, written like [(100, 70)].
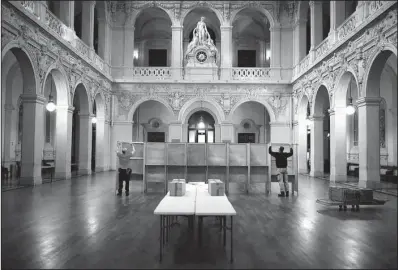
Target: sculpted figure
[(192, 44), (201, 30)]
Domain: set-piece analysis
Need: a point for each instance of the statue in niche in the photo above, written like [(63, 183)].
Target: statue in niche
[(176, 101), (201, 48)]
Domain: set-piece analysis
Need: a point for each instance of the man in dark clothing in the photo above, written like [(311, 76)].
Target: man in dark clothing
[(281, 165)]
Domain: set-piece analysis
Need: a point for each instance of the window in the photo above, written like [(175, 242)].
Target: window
[(246, 138), (155, 137), (201, 128), (246, 58), (157, 58)]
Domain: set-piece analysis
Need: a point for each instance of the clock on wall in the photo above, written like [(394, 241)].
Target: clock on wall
[(201, 56)]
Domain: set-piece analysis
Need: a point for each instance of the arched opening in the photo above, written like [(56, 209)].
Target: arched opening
[(77, 18), (152, 38), (56, 83), (94, 137), (251, 123), (151, 122), (381, 83), (98, 135), (22, 126), (251, 39), (212, 24), (100, 25), (308, 30), (350, 7), (201, 128), (344, 130), (303, 135), (81, 133), (320, 146), (325, 19)]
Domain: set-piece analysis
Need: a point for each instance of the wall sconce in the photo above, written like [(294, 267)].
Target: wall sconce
[(135, 54)]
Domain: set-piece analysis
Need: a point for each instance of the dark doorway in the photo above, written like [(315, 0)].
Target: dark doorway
[(156, 137), (246, 138), (157, 58), (246, 58)]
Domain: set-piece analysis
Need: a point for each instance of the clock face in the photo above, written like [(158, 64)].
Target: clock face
[(201, 56)]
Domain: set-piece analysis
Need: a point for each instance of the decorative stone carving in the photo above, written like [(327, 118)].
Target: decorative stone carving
[(278, 104), (6, 37), (227, 102), (126, 100), (176, 100), (43, 62), (201, 91)]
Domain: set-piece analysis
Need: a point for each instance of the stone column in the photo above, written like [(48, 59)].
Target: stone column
[(85, 139), (217, 133), (369, 141), (176, 54), (121, 131), (63, 142), (100, 144), (338, 144), (316, 23), (32, 139), (228, 132), (226, 54), (67, 14), (302, 146), (88, 23), (299, 41), (337, 16), (103, 40), (317, 146), (261, 53), (128, 59), (7, 129), (276, 51)]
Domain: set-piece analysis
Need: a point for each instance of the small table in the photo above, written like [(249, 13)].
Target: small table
[(214, 206), (171, 207)]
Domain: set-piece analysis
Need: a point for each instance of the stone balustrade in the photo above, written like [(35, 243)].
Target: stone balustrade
[(250, 74), (152, 73), (347, 27), (322, 48)]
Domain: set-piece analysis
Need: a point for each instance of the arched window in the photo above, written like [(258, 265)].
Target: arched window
[(201, 128)]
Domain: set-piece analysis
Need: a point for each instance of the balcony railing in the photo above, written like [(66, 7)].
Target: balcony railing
[(351, 25), (152, 73), (249, 74), (322, 48), (60, 30)]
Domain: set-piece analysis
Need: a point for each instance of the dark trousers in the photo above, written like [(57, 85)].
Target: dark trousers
[(124, 175)]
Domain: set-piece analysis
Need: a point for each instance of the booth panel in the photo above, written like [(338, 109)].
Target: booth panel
[(217, 154), (176, 154), (237, 155), (258, 155), (196, 154), (196, 174), (217, 173), (155, 154)]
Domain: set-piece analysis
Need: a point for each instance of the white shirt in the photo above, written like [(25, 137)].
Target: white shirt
[(124, 159)]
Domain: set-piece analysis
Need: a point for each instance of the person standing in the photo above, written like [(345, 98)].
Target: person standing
[(124, 170), (281, 167)]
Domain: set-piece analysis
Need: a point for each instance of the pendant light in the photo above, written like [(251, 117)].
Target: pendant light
[(350, 109), (51, 105), (201, 123), (94, 120)]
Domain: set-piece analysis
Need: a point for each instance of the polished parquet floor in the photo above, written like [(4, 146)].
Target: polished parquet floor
[(80, 223)]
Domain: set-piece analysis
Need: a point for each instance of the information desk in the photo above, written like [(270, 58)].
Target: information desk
[(196, 201)]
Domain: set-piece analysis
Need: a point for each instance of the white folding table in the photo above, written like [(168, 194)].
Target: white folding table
[(171, 207), (214, 206)]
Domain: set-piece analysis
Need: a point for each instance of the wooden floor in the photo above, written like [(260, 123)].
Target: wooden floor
[(82, 224)]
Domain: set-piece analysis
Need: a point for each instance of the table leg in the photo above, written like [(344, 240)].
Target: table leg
[(232, 255), (161, 236), (200, 230), (224, 219)]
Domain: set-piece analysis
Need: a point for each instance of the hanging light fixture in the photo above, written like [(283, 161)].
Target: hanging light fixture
[(94, 120), (350, 109), (201, 123), (51, 105), (308, 121)]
